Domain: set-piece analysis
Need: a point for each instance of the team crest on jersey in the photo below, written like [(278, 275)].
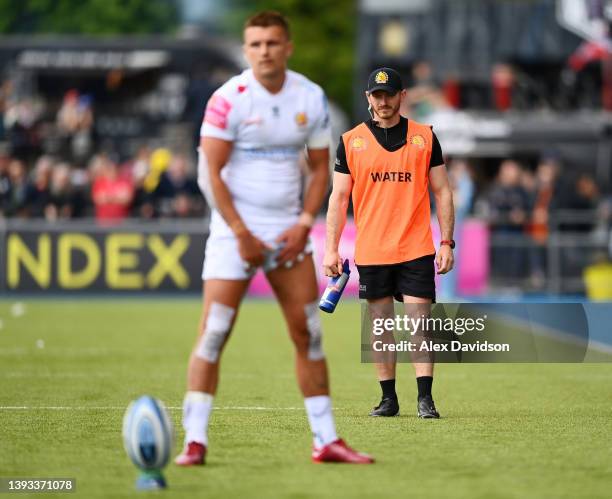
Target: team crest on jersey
[(417, 140), (359, 144), (301, 119), (381, 77)]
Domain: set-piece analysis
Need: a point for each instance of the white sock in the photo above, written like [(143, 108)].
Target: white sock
[(321, 419), (196, 412)]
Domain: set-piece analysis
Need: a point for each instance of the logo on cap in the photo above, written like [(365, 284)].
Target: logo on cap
[(381, 77)]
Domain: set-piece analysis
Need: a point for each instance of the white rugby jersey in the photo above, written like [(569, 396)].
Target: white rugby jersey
[(269, 132)]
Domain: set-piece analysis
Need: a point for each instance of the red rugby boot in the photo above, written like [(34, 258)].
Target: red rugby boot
[(194, 454), (339, 452)]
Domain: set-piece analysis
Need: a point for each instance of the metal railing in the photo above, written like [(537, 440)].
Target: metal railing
[(575, 240)]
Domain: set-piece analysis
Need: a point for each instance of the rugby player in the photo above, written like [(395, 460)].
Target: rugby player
[(255, 128), (388, 164)]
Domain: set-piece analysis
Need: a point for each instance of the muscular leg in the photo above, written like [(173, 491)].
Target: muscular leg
[(202, 374), (423, 363), (297, 293), (385, 361), (221, 299), (416, 306), (383, 308)]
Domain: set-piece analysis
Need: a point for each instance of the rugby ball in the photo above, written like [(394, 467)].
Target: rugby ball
[(148, 434)]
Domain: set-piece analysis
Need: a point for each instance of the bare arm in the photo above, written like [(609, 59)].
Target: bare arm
[(294, 239), (336, 219), (443, 194), (217, 153), (318, 162)]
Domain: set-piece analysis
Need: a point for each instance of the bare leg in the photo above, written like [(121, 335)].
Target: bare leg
[(202, 375), (416, 306), (423, 362), (296, 289), (383, 308)]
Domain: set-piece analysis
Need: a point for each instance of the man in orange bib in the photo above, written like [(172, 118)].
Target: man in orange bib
[(388, 165)]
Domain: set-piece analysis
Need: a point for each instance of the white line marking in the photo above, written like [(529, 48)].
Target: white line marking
[(120, 408)]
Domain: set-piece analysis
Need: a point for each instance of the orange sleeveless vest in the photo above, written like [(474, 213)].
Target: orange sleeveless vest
[(390, 195)]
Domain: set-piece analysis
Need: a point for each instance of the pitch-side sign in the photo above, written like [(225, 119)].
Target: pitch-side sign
[(89, 258)]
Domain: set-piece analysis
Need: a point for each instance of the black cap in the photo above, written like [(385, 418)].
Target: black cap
[(386, 79)]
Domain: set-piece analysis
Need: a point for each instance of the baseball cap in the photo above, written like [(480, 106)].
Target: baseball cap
[(386, 79)]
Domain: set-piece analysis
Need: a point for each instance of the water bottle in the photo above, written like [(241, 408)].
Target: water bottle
[(335, 287)]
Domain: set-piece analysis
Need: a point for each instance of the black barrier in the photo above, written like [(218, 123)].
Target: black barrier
[(83, 256)]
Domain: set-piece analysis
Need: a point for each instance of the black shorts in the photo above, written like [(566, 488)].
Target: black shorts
[(412, 278)]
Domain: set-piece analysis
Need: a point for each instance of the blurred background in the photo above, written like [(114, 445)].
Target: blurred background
[(101, 103)]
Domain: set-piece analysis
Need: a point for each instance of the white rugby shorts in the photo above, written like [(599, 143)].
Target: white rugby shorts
[(222, 259)]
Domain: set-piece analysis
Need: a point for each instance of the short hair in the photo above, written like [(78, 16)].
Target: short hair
[(268, 18)]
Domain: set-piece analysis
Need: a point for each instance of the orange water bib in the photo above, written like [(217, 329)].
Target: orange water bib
[(390, 195)]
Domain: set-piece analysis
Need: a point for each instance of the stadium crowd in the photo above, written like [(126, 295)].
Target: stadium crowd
[(60, 170), (152, 184), (80, 180)]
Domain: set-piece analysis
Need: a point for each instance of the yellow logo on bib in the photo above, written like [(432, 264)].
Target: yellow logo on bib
[(417, 140), (359, 143)]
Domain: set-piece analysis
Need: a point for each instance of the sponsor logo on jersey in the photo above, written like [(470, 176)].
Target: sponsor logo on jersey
[(391, 176), (359, 144), (217, 110), (417, 140), (381, 77), (301, 119)]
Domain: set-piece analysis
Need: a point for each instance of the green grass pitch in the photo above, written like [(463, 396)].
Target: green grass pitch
[(508, 430)]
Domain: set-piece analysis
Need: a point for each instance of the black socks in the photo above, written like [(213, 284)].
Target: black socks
[(388, 389), (424, 385)]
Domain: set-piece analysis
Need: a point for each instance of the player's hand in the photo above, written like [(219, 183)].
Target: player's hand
[(332, 263), (445, 259), (292, 243), (251, 249)]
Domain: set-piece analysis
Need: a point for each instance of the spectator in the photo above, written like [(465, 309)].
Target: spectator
[(538, 227), (139, 167), (112, 194), (168, 189), (150, 181), (582, 199), (508, 199), (75, 122), (528, 183), (503, 80), (16, 204), (545, 192), (39, 189), (509, 204), (424, 96), (66, 201), (20, 120), (185, 197)]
